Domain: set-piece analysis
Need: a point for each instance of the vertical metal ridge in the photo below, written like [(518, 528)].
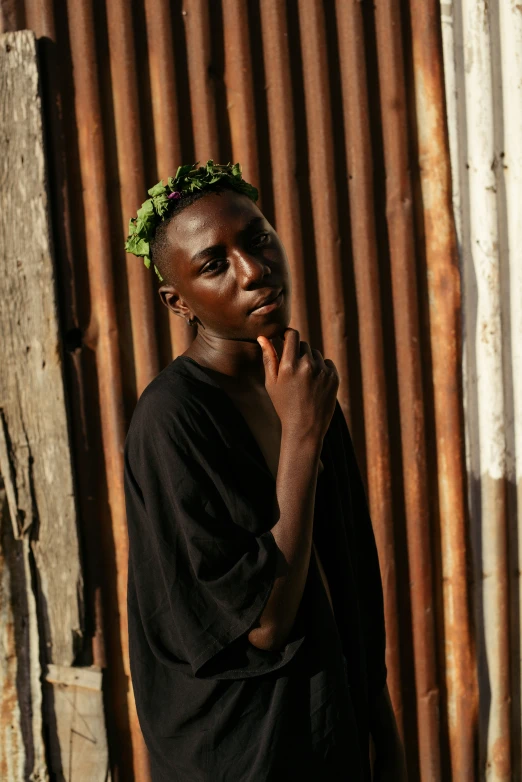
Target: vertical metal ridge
[(485, 355), (240, 88), (282, 151), (12, 16), (39, 16), (365, 259), (399, 217), (445, 312), (510, 186), (199, 57), (162, 68), (321, 162), (132, 185), (103, 329), (475, 122)]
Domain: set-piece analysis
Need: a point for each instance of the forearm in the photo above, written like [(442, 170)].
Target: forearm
[(295, 495)]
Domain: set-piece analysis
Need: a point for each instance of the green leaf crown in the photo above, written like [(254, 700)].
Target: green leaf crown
[(188, 179)]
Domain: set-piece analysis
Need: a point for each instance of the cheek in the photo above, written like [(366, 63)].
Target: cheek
[(216, 301)]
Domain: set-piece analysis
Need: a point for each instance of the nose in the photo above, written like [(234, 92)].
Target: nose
[(253, 270)]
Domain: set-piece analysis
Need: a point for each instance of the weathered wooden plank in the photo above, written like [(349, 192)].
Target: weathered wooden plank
[(12, 745), (78, 700), (35, 451), (41, 588), (22, 749)]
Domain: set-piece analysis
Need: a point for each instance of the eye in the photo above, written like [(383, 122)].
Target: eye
[(213, 266), (261, 239)]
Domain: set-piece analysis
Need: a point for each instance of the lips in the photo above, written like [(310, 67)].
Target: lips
[(267, 299)]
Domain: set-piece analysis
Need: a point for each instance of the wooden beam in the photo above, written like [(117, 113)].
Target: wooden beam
[(35, 449)]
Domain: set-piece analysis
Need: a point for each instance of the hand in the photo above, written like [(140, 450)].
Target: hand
[(302, 385)]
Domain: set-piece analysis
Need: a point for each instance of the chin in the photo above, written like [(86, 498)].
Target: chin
[(272, 330)]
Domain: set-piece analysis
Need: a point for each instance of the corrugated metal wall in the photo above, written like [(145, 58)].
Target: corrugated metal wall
[(337, 111), (483, 64)]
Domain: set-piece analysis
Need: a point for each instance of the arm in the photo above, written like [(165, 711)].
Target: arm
[(303, 390), (295, 492)]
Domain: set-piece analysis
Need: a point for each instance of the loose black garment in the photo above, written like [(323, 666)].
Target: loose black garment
[(199, 495)]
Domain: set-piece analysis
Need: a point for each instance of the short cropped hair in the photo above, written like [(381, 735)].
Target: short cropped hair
[(160, 244)]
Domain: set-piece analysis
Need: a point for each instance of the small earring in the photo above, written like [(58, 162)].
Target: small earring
[(191, 321)]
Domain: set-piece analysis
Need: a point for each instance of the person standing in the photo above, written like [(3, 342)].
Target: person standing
[(256, 624)]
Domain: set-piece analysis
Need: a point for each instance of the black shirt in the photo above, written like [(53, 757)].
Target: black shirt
[(199, 496)]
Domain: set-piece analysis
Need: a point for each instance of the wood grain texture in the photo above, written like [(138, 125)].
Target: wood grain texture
[(13, 628), (78, 703), (35, 454)]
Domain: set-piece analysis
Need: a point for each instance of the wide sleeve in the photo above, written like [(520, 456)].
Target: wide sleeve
[(369, 575), (199, 579)]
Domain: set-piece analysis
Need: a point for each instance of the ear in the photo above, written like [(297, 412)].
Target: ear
[(172, 299)]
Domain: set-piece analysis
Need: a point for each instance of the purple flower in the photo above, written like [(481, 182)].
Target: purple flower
[(175, 194)]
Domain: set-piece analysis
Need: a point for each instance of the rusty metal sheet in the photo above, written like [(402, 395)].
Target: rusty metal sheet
[(365, 259), (167, 117), (200, 69), (240, 88), (102, 334), (325, 217), (283, 151), (443, 280), (405, 298), (469, 42), (132, 185), (204, 99)]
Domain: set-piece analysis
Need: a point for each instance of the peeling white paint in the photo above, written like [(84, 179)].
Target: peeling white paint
[(482, 44), (510, 178)]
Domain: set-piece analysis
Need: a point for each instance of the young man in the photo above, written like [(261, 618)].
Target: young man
[(256, 622)]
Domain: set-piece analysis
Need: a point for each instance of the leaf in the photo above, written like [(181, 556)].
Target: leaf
[(137, 245), (144, 228), (157, 189), (146, 210), (161, 204), (189, 178)]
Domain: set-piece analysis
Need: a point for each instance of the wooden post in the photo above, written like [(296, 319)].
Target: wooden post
[(36, 461)]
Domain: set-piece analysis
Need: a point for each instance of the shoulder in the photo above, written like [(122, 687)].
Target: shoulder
[(172, 403)]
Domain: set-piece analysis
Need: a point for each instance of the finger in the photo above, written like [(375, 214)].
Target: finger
[(305, 350), (270, 358), (290, 352), (318, 359), (330, 364)]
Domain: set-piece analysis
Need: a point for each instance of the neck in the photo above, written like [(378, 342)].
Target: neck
[(239, 360)]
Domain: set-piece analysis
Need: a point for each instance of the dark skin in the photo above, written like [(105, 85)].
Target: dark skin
[(226, 261)]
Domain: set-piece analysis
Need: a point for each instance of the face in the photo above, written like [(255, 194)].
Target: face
[(227, 261)]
